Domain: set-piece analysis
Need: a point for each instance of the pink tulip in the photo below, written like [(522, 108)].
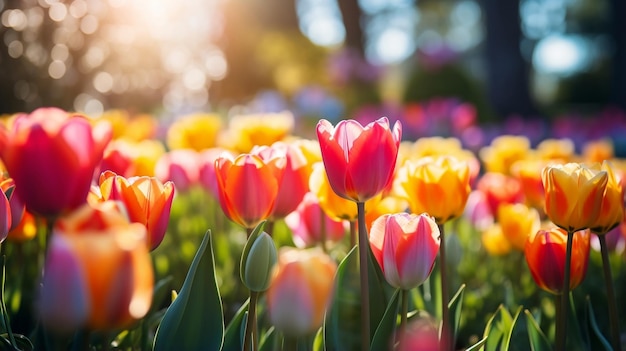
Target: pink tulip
[(179, 166), (359, 160), (52, 156), (306, 221), (405, 246)]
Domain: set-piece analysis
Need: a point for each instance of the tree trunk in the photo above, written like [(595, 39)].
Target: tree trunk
[(507, 72)]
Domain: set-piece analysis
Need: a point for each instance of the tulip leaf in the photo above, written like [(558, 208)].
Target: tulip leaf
[(269, 340), (194, 321), (454, 307), (538, 340), (387, 325), (233, 337), (318, 341), (594, 326), (499, 329), (477, 346), (342, 326)]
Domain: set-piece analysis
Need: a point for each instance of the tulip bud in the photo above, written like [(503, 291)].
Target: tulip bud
[(258, 260)]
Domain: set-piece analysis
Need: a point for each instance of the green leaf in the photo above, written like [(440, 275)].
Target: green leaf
[(269, 340), (233, 337), (387, 325), (538, 340), (318, 342), (594, 326), (342, 327), (478, 345), (246, 250), (454, 307), (194, 321), (499, 329)]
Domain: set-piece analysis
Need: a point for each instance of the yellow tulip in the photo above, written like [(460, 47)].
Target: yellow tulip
[(197, 131), (612, 209), (438, 186), (518, 221), (494, 241), (574, 195), (503, 152)]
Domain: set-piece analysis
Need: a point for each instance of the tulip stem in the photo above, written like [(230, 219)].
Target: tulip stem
[(5, 313), (446, 342), (561, 327), (352, 234), (608, 279), (363, 269), (251, 322), (405, 309)]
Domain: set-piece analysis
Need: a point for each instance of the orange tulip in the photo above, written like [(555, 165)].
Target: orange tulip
[(517, 222), (248, 186), (147, 200), (98, 271), (545, 256), (300, 290), (52, 156), (574, 194), (295, 180), (359, 161), (438, 186), (612, 209), (528, 174)]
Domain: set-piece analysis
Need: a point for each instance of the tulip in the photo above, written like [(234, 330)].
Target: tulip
[(612, 208), (517, 222), (206, 171), (559, 150), (545, 256), (15, 203), (405, 247), (5, 216), (499, 189), (528, 174), (197, 132), (574, 194), (147, 200), (307, 220), (98, 271), (437, 186), (503, 152), (246, 131), (598, 151), (494, 241), (334, 206), (179, 166), (300, 291), (52, 155), (359, 161), (257, 261), (248, 187), (147, 154), (478, 212), (118, 157), (295, 180)]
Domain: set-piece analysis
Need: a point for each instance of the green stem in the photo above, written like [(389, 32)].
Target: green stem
[(446, 339), (561, 329), (269, 228), (363, 268), (3, 307), (608, 280), (405, 308), (250, 322), (352, 234)]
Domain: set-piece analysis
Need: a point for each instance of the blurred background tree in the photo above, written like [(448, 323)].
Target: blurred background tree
[(526, 57)]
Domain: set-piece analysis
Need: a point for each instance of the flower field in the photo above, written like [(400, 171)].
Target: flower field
[(401, 228)]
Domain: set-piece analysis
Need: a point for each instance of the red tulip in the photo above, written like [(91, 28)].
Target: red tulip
[(179, 166), (359, 160), (545, 255), (52, 156), (248, 186)]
